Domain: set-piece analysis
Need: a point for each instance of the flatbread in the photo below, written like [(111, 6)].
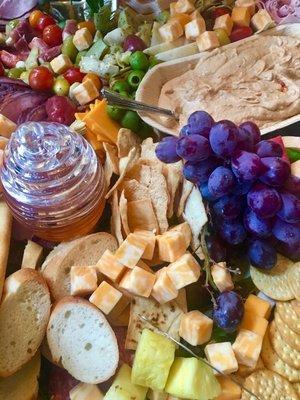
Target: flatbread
[(123, 206), (126, 140), (141, 216), (288, 335), (288, 315), (115, 220), (294, 279)]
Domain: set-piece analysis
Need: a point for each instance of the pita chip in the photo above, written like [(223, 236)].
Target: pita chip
[(141, 215), (115, 220), (173, 174), (160, 198), (187, 187), (134, 191), (5, 235), (126, 141), (123, 206)]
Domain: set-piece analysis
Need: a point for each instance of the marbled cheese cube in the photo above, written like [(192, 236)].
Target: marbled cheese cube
[(149, 236), (254, 323), (164, 289), (171, 30), (131, 250), (106, 297), (258, 306), (184, 271), (195, 328), (262, 21), (221, 356), (208, 40), (86, 391), (83, 280), (171, 246), (250, 4), (194, 28), (184, 7), (241, 16), (221, 277), (247, 347), (230, 389), (82, 39), (138, 282), (109, 266), (224, 22), (85, 92), (185, 229), (60, 64)]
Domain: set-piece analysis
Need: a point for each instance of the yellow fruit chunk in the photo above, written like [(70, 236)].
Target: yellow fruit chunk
[(195, 328), (254, 323), (257, 306)]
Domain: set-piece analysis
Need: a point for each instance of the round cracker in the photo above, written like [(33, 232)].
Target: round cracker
[(283, 350), (296, 306), (294, 279), (274, 283), (275, 364), (267, 385), (288, 315), (287, 334), (296, 386)]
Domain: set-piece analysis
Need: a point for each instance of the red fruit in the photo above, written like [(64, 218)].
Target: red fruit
[(218, 11), (73, 75), (240, 32), (52, 35), (41, 78), (60, 384), (60, 109), (44, 20)]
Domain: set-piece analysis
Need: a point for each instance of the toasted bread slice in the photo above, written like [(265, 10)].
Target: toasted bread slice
[(23, 385), (82, 252), (81, 339), (24, 315)]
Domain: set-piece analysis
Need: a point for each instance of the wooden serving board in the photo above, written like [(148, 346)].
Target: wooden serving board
[(150, 88)]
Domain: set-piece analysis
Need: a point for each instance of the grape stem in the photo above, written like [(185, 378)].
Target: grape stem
[(207, 260)]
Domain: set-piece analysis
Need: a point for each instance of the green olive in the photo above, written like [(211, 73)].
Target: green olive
[(15, 73), (61, 86)]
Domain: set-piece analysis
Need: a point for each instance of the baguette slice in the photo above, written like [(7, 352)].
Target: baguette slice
[(23, 385), (82, 341), (24, 315), (81, 252)]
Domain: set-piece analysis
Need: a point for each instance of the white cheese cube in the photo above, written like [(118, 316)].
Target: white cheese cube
[(60, 64), (184, 7), (164, 289), (85, 92), (262, 21), (247, 347), (194, 28), (185, 229), (83, 280), (82, 39), (207, 41), (7, 127), (221, 356), (109, 266), (221, 277), (224, 22), (171, 30), (131, 250), (184, 271), (109, 299), (138, 282), (86, 391), (195, 328)]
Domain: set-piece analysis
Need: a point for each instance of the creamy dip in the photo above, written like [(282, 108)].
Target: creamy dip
[(258, 80)]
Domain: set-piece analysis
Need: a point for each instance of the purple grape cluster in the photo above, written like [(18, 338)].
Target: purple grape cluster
[(247, 182)]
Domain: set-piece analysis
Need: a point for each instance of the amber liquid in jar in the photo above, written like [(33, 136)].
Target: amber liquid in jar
[(52, 181)]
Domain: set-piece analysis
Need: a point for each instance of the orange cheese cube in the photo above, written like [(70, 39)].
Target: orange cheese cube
[(194, 28), (262, 21), (184, 6), (241, 16), (83, 280), (221, 277), (171, 245), (171, 30), (254, 323), (208, 40), (164, 289), (82, 39), (195, 328), (230, 390), (257, 306), (85, 92), (149, 236), (184, 271), (138, 282), (247, 347), (109, 266), (185, 229), (224, 22), (131, 250), (106, 297), (221, 356), (183, 19)]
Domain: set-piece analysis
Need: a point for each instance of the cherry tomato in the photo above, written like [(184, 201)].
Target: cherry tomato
[(44, 20), (240, 32), (95, 79), (52, 35), (73, 75), (218, 11), (34, 17), (89, 25), (41, 78)]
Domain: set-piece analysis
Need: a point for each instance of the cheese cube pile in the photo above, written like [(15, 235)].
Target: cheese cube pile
[(224, 22), (106, 298), (131, 250), (86, 391), (247, 347), (221, 356), (82, 39), (195, 328), (221, 277), (138, 282), (208, 40), (184, 271), (60, 64), (83, 280), (164, 289), (109, 266), (230, 390)]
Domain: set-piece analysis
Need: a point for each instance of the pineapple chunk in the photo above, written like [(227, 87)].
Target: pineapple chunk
[(153, 359), (123, 389), (156, 395)]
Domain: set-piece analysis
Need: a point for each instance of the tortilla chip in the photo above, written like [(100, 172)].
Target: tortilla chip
[(164, 316), (141, 173), (129, 162), (195, 215), (187, 187), (115, 220), (159, 198), (123, 206), (126, 141), (173, 174), (134, 191), (141, 215)]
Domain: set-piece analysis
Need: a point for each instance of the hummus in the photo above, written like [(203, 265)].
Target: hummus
[(258, 80)]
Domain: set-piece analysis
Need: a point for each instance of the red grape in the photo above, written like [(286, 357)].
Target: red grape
[(268, 148), (133, 43), (290, 210), (199, 173), (229, 311), (286, 233), (240, 32), (277, 171), (232, 232), (44, 21), (166, 150), (200, 122), (246, 166), (223, 138), (264, 200), (52, 35), (193, 148), (260, 227), (262, 254), (227, 207), (216, 249), (221, 182), (73, 75), (60, 109)]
